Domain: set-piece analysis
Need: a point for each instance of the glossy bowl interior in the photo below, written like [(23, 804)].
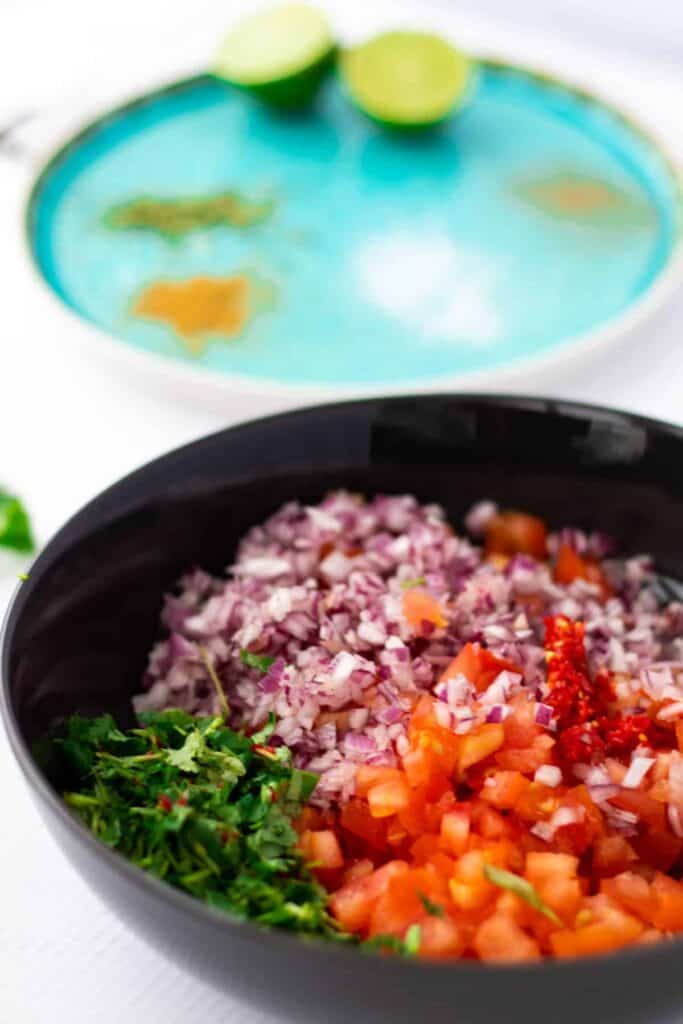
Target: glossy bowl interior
[(79, 629)]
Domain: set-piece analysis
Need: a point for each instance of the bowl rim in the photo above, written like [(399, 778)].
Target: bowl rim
[(198, 379), (184, 903)]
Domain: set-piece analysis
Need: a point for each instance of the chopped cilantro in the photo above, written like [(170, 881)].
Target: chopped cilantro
[(434, 909), (408, 946), (412, 940), (520, 887), (261, 662), (417, 581), (266, 731), (196, 804)]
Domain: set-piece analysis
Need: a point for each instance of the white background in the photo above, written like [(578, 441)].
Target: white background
[(67, 428)]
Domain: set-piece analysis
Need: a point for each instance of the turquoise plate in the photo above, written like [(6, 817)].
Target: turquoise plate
[(320, 249)]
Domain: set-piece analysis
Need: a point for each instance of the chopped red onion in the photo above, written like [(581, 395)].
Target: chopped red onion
[(479, 517), (548, 775), (498, 713), (543, 830), (671, 711), (544, 715), (359, 743), (273, 677), (443, 715), (637, 771), (392, 714), (564, 816), (627, 817), (601, 794), (358, 717), (674, 816)]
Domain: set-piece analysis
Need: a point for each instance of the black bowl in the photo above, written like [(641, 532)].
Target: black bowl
[(78, 632)]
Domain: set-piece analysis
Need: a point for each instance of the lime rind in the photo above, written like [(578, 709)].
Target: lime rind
[(279, 55), (408, 79)]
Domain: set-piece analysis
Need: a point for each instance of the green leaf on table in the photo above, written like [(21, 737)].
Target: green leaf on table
[(15, 526)]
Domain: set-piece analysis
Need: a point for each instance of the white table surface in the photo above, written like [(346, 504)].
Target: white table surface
[(69, 429)]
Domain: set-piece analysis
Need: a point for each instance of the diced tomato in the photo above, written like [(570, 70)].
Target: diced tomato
[(679, 736), (356, 818), (443, 865), (542, 866), (420, 607), (368, 776), (352, 905), (359, 869), (413, 816), (388, 798), (632, 892), (521, 728), (433, 753), (537, 803), (478, 665), (527, 760), (441, 938), (480, 744), (455, 830), (420, 765), (312, 820), (422, 717), (554, 876), (435, 811), (612, 855), (571, 566), (512, 533), (403, 901), (322, 849), (651, 812), (397, 834), (490, 824), (660, 850), (499, 939), (504, 789), (607, 928), (668, 897), (444, 744), (470, 889), (425, 848)]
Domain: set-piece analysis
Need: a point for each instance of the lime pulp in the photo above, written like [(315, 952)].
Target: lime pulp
[(278, 54), (407, 79)]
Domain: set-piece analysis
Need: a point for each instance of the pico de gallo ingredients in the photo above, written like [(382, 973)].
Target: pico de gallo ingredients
[(495, 718)]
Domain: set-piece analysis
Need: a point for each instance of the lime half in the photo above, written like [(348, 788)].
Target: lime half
[(407, 79), (280, 55)]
